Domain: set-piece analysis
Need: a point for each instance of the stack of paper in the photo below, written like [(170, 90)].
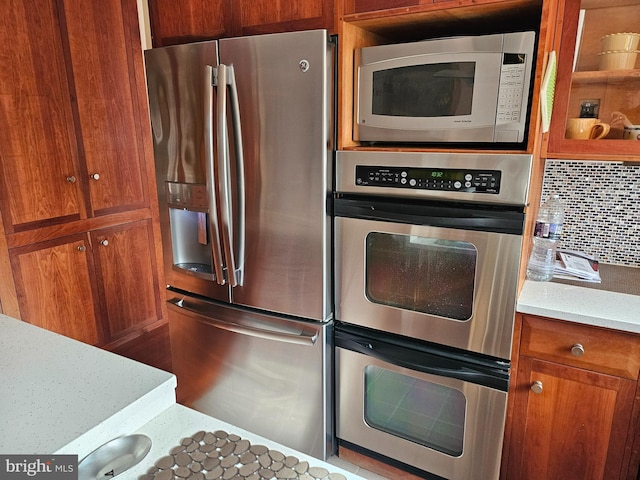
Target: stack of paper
[(574, 265)]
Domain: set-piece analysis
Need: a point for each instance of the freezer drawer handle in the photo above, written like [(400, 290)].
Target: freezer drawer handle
[(302, 338)]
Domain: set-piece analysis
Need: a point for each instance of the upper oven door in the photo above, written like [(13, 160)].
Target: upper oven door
[(429, 278)]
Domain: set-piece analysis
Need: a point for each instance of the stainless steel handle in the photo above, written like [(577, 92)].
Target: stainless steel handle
[(307, 338), (235, 265), (536, 387), (95, 176), (71, 179), (577, 350), (216, 249), (104, 242), (238, 266), (81, 248)]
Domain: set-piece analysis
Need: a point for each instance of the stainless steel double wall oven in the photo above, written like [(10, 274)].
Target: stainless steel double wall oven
[(427, 253)]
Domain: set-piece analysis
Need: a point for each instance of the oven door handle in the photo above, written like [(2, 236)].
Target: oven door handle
[(426, 361), (434, 214)]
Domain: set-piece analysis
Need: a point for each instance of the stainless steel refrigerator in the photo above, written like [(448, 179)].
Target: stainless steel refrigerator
[(243, 141)]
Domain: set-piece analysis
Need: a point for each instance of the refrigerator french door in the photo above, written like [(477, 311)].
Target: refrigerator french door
[(243, 140)]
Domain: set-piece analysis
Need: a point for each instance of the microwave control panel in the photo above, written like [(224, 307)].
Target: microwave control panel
[(511, 89), (424, 178)]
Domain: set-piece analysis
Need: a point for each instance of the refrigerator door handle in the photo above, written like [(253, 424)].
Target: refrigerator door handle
[(235, 263), (306, 338), (216, 248), (224, 78)]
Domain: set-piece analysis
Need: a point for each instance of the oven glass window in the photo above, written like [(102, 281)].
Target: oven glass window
[(429, 90), (422, 274), (419, 411)]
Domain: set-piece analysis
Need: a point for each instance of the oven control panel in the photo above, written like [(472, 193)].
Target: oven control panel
[(424, 178)]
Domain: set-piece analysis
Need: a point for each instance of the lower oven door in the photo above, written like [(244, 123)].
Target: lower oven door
[(408, 273), (442, 422)]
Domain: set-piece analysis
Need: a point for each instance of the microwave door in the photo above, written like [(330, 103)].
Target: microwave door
[(430, 97)]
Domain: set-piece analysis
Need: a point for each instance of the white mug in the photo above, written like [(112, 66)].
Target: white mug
[(631, 132)]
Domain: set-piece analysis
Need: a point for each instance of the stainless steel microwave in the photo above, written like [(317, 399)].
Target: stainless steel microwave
[(458, 89)]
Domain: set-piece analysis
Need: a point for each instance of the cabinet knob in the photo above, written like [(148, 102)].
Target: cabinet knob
[(81, 248), (95, 176), (71, 179), (104, 242), (577, 350), (536, 387)]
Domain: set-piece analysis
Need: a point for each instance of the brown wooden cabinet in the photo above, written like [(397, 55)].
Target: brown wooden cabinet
[(583, 79), (77, 185), (37, 136), (55, 287), (572, 402), (96, 287), (190, 20), (72, 133)]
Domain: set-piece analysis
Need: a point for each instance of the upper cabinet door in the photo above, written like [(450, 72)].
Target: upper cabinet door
[(38, 152), (71, 127), (598, 81), (266, 16), (187, 21), (102, 37)]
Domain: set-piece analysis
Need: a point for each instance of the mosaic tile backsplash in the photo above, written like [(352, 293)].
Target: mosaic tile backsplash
[(602, 208)]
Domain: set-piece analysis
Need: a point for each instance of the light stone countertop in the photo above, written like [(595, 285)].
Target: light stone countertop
[(61, 396), (583, 303), (58, 395)]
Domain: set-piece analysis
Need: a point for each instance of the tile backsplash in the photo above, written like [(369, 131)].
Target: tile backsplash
[(602, 207)]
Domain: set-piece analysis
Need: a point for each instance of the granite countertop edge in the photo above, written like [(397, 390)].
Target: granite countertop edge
[(581, 304)]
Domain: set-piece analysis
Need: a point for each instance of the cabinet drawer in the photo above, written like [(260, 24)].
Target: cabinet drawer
[(593, 348)]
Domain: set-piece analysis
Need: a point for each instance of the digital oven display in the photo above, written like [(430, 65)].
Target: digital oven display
[(445, 179)]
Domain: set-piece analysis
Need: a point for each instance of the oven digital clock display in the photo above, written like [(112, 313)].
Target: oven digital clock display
[(444, 179)]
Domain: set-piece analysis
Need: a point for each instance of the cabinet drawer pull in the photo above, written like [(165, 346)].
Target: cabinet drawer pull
[(577, 350), (95, 176), (71, 179), (81, 248), (104, 242), (536, 387)]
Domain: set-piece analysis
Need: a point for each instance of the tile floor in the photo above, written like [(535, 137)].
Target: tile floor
[(350, 467)]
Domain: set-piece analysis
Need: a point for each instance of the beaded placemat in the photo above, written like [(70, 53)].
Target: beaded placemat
[(222, 456)]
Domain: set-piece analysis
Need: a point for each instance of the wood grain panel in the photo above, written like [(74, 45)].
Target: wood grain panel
[(37, 142), (268, 16), (606, 351), (126, 276), (576, 428), (98, 46), (53, 282), (184, 21)]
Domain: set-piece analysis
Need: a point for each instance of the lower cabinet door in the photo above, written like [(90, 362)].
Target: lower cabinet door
[(55, 287), (568, 423), (128, 282)]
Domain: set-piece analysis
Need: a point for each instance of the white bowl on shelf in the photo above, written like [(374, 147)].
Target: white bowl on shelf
[(620, 42), (618, 60)]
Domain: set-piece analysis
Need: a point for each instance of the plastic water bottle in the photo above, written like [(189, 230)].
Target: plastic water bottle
[(545, 239)]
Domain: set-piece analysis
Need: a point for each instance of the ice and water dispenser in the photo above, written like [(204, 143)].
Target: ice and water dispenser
[(188, 218)]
